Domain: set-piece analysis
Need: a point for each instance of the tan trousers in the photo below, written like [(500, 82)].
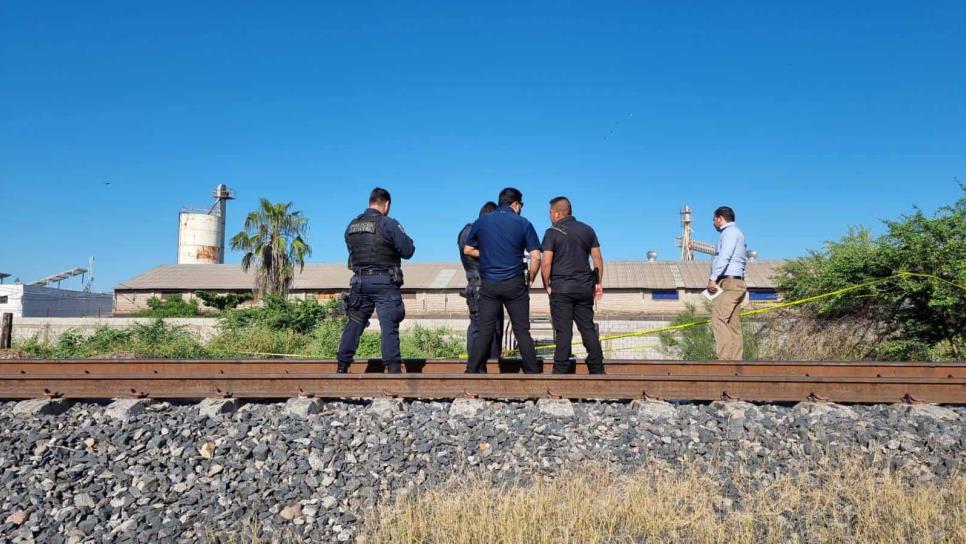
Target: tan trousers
[(726, 320)]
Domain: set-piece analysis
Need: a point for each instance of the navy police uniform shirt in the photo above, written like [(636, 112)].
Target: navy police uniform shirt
[(502, 238), (571, 242), (391, 230), (471, 265)]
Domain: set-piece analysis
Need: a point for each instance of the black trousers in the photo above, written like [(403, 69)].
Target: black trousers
[(565, 309), (473, 333), (514, 295)]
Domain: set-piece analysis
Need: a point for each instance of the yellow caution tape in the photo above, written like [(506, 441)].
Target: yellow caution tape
[(771, 308)]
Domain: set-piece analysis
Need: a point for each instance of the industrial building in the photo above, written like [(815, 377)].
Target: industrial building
[(633, 289), (40, 301), (46, 298)]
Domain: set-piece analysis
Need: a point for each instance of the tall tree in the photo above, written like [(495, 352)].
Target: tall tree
[(273, 244)]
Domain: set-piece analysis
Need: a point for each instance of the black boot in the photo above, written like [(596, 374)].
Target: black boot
[(394, 368), (343, 368)]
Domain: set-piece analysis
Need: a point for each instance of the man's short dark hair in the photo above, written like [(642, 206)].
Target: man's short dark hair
[(379, 195), (725, 213), (509, 196), (487, 208), (562, 205)]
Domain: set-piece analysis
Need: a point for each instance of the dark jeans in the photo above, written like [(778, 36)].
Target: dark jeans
[(473, 331), (368, 293), (514, 295), (565, 308)]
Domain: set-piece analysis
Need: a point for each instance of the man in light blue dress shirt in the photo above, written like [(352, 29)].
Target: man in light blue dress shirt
[(728, 275)]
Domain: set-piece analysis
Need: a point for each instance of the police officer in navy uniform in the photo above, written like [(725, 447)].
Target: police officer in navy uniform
[(377, 243), (568, 246), (500, 240), (471, 265)]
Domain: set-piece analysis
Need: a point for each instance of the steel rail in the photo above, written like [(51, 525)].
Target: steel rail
[(230, 367), (497, 386)]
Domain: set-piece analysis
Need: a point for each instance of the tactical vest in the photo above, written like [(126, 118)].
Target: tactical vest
[(470, 265), (368, 248)]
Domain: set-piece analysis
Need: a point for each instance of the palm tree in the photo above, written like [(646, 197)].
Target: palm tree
[(272, 242)]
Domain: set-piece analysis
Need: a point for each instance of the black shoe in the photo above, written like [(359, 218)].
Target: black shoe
[(395, 369), (342, 369)]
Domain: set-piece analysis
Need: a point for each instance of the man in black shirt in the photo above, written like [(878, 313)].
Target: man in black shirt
[(471, 265), (573, 287)]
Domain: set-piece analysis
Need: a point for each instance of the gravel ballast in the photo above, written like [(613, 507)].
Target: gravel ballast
[(170, 473)]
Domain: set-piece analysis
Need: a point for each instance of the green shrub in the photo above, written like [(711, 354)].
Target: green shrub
[(693, 343), (155, 339), (370, 346), (173, 306), (257, 341), (34, 347), (279, 313), (416, 343), (159, 339), (420, 343), (228, 301), (308, 328), (696, 343), (325, 338)]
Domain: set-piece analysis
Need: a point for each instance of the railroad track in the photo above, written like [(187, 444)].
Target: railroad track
[(771, 381)]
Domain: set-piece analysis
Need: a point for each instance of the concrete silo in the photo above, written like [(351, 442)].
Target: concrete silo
[(201, 234)]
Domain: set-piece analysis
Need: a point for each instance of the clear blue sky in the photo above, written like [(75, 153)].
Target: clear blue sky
[(806, 119)]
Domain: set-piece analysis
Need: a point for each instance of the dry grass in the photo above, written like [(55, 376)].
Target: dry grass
[(793, 336), (251, 532), (659, 504)]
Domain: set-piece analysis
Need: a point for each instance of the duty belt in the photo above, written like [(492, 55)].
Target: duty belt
[(372, 272)]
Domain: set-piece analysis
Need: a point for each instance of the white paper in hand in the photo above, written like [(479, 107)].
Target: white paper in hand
[(711, 296)]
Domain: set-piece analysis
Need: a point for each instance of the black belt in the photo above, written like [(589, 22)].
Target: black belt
[(371, 272), (730, 278)]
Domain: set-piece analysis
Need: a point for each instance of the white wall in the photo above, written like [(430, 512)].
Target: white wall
[(13, 293)]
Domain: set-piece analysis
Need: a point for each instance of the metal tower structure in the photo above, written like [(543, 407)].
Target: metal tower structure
[(689, 246)]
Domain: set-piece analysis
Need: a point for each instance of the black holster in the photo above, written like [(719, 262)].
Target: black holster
[(472, 295), (396, 275)]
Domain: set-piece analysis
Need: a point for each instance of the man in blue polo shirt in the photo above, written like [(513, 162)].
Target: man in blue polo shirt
[(500, 240)]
